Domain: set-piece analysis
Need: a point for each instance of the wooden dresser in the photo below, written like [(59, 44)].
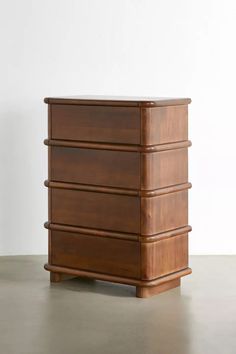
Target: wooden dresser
[(118, 190)]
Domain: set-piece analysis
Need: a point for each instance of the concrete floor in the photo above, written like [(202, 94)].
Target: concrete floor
[(85, 316)]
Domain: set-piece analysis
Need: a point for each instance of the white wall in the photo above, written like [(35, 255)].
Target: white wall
[(133, 47)]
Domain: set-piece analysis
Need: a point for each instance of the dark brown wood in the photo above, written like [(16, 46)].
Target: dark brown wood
[(96, 167), (115, 101), (55, 277), (96, 123), (49, 190), (98, 232), (165, 235), (118, 147), (92, 253), (93, 188), (118, 168), (161, 125), (163, 169), (164, 212), (115, 190), (96, 210), (147, 291), (118, 190), (164, 257), (116, 278), (119, 235)]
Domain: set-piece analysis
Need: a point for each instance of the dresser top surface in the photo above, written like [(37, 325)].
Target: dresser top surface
[(91, 100)]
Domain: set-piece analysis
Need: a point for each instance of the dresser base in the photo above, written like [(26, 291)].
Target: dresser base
[(144, 288), (147, 291)]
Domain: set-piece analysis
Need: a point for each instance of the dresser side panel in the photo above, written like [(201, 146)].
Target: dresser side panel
[(164, 212), (164, 168), (49, 177), (162, 125), (164, 257)]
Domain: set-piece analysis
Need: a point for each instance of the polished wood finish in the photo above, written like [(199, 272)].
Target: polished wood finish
[(119, 235), (118, 190), (55, 277), (147, 291), (113, 190), (164, 256), (118, 147), (120, 101), (96, 210), (96, 167), (119, 168), (96, 123), (100, 254), (115, 278), (94, 232), (164, 168), (161, 125), (164, 212)]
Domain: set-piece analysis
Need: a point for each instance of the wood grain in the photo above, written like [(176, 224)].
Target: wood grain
[(116, 278), (91, 232), (96, 210), (96, 123), (161, 125), (109, 256), (163, 169), (96, 167), (118, 190), (115, 190), (49, 191), (120, 101), (147, 291), (118, 147), (119, 169), (164, 212), (164, 257)]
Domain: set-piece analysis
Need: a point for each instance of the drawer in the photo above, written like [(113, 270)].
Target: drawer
[(164, 257), (118, 168), (96, 123), (96, 167), (98, 254), (96, 210)]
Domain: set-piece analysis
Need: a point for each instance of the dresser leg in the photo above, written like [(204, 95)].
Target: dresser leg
[(55, 277), (147, 291)]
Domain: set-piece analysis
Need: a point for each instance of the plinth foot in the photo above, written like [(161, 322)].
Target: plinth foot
[(147, 291), (55, 277)]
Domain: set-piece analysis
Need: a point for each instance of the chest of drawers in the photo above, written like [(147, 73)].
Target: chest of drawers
[(118, 190)]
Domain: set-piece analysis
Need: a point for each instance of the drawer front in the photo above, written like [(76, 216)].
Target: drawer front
[(99, 254), (164, 257), (97, 167), (96, 123), (164, 212), (96, 210)]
